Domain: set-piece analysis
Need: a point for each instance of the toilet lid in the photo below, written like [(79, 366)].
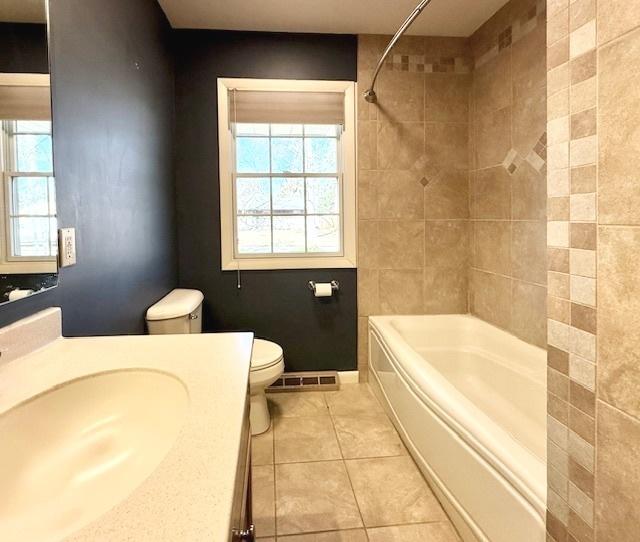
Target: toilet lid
[(265, 354)]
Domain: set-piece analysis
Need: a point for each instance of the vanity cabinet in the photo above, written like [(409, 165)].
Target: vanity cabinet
[(242, 525)]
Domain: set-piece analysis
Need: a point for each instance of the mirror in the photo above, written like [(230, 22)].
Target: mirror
[(28, 225)]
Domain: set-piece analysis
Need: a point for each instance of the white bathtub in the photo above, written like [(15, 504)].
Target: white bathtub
[(470, 403)]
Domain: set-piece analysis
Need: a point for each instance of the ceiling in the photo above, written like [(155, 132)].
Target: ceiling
[(22, 11), (440, 18)]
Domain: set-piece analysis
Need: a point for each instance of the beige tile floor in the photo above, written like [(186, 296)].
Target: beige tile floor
[(333, 469)]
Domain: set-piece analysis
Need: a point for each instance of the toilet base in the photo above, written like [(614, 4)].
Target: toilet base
[(259, 416), (258, 410)]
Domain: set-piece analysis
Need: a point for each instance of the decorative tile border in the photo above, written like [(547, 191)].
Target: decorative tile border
[(512, 161), (505, 38), (424, 64), (513, 33), (537, 157), (572, 245)]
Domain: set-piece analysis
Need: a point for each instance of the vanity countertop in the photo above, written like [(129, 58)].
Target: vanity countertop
[(189, 496)]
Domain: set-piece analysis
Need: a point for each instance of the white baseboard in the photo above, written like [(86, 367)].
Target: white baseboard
[(348, 377)]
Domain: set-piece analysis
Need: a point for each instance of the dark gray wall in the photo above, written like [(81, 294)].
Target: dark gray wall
[(315, 334), (23, 48), (113, 115), (113, 132)]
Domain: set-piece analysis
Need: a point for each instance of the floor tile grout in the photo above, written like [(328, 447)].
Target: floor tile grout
[(275, 480), (344, 464), (354, 529), (330, 413), (329, 460)]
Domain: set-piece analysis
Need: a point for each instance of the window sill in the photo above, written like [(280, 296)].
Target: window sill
[(245, 264), (27, 267)]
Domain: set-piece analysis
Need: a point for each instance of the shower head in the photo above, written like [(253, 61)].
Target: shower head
[(370, 96)]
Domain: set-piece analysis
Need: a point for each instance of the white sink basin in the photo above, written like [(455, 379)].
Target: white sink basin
[(69, 455)]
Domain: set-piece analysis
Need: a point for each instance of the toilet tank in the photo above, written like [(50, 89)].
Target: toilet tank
[(180, 311)]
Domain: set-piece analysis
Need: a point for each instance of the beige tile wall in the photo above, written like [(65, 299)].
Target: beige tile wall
[(413, 180), (594, 404), (617, 502), (452, 190), (507, 194)]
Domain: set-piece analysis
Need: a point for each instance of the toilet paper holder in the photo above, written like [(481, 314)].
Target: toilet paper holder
[(335, 285)]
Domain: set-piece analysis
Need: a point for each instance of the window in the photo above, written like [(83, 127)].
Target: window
[(287, 181), (287, 189), (29, 191)]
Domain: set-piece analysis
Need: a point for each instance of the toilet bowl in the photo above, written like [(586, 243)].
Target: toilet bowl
[(180, 311), (267, 365)]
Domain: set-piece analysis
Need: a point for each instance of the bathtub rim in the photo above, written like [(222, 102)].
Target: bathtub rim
[(525, 471)]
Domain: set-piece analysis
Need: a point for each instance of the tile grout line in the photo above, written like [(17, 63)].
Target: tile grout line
[(344, 464), (333, 416), (275, 483), (366, 528)]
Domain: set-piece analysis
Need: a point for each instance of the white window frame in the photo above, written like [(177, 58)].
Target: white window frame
[(347, 151)]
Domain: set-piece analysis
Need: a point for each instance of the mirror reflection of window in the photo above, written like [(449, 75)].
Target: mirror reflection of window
[(27, 197), (32, 228)]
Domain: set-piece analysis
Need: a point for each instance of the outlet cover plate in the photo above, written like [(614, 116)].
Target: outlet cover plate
[(67, 246)]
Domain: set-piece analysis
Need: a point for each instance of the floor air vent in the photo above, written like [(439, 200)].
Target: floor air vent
[(306, 381)]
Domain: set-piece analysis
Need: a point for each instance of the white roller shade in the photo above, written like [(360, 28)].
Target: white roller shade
[(25, 97), (287, 107)]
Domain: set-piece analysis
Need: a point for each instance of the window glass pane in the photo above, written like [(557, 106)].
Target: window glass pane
[(323, 233), (328, 130), (286, 129), (288, 234), (52, 195), (320, 155), (245, 129), (286, 155), (31, 236), (34, 152), (34, 126), (53, 236), (323, 195), (252, 154), (29, 196), (253, 196), (288, 196), (254, 234)]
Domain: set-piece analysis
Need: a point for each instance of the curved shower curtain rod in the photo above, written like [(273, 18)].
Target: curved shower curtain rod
[(370, 93)]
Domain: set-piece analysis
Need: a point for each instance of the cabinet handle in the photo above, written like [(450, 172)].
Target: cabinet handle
[(244, 535)]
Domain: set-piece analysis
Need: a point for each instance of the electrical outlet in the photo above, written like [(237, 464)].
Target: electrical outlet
[(67, 246)]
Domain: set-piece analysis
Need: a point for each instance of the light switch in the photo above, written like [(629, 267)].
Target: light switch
[(67, 246)]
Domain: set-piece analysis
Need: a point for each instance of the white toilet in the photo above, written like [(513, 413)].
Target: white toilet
[(180, 311), (267, 365)]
